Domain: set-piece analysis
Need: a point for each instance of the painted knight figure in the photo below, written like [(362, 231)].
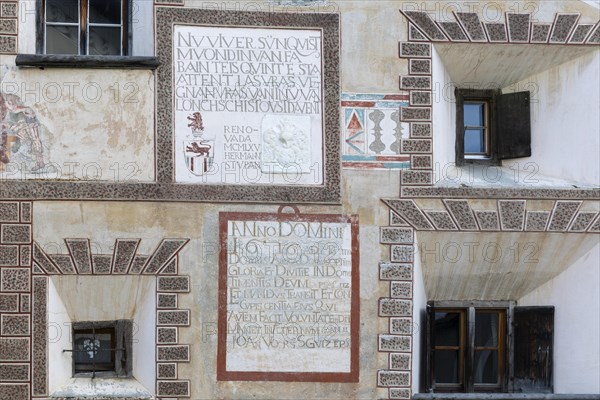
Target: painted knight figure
[(198, 151)]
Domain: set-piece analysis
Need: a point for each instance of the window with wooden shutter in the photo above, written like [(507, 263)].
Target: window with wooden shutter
[(533, 349), (491, 126)]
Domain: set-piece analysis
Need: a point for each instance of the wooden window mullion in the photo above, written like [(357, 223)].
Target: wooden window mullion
[(83, 26), (470, 350)]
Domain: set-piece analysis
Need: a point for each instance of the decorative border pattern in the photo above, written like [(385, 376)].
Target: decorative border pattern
[(9, 26), (164, 188), (80, 260), (24, 272), (508, 216)]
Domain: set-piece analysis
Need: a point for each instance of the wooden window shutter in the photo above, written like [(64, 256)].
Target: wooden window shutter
[(533, 349), (513, 125)]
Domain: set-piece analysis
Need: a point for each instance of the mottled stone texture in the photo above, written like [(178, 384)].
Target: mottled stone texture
[(395, 307), (402, 253), (400, 394), (166, 300), (101, 264), (580, 33), (392, 271), (419, 66), (9, 302), (173, 318), (14, 391), (471, 23), (393, 235), (582, 221), (173, 284), (9, 212), (420, 129), (14, 325), (173, 353), (166, 250), (462, 213), (512, 214), (395, 343), (563, 25), (415, 82), (173, 388), (400, 361), (63, 262), (393, 378), (42, 259), (409, 211), (9, 256), (14, 372), (402, 326), (166, 371), (496, 32), (415, 34), (401, 290), (81, 253), (408, 49), (537, 220), (563, 213), (540, 32), (441, 220), (40, 334), (124, 252), (416, 146), (422, 20), (518, 27), (408, 177), (488, 220), (15, 279), (166, 335), (14, 349), (454, 31), (19, 234), (421, 161)]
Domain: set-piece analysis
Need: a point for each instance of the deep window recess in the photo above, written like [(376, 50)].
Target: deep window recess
[(83, 27), (102, 348), (491, 126), (470, 347)]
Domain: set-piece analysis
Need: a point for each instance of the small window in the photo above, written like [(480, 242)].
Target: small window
[(468, 347), (491, 126), (102, 348), (83, 27)]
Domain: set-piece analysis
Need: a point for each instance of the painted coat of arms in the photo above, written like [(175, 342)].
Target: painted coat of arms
[(199, 152)]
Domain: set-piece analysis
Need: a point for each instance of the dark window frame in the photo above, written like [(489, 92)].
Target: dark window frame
[(122, 356), (508, 125), (125, 45), (489, 97), (527, 329), (467, 338)]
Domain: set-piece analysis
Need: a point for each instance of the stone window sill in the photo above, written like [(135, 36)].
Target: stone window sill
[(101, 388), (503, 396), (76, 61)]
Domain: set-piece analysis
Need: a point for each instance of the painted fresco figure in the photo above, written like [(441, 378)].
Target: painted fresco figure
[(20, 122)]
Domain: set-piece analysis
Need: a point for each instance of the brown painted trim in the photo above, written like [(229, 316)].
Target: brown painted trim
[(222, 373)]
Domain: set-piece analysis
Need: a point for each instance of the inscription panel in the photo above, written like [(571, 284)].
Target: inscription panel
[(248, 106), (288, 297)]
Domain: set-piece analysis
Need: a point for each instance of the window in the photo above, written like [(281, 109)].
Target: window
[(102, 348), (474, 347), (491, 126), (83, 27)]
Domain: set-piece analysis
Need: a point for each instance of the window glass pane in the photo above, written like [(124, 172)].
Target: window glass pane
[(474, 114), (62, 39), (485, 367), (446, 366), (105, 41), (93, 350), (105, 11), (62, 11), (447, 329), (486, 329), (474, 141)]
